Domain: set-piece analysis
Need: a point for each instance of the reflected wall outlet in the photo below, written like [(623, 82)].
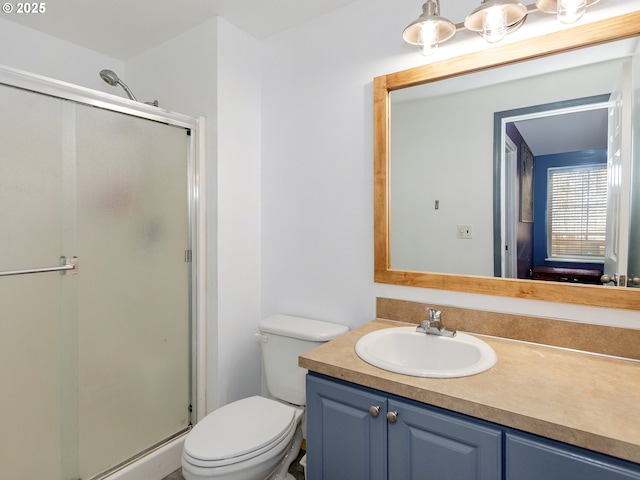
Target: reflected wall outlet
[(464, 231)]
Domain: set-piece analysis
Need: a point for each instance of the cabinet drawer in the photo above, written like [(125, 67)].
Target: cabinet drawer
[(535, 458)]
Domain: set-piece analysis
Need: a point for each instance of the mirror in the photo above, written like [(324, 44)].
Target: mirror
[(397, 92)]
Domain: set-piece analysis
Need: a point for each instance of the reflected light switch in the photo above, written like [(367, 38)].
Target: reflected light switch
[(464, 231)]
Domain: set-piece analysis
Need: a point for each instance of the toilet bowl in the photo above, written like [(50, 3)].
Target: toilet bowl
[(245, 440), (257, 438)]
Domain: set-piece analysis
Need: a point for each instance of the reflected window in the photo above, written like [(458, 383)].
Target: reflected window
[(577, 213)]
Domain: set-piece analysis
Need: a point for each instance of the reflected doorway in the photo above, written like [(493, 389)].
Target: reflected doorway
[(529, 142)]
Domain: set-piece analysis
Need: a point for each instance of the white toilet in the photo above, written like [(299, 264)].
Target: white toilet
[(257, 438)]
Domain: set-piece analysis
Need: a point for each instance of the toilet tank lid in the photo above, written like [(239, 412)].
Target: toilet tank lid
[(302, 328)]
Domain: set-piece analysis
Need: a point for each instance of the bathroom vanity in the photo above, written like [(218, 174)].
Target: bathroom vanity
[(563, 400), (540, 412)]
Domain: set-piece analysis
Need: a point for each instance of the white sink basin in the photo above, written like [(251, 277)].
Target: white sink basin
[(403, 350)]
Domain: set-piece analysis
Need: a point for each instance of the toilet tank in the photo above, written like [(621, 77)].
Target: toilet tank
[(284, 339)]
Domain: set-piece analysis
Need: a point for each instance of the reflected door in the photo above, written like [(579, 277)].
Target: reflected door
[(619, 178)]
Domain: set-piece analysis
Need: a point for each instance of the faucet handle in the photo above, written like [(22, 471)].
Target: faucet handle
[(434, 326)]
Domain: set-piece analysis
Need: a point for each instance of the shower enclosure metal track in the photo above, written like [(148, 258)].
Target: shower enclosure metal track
[(70, 265)]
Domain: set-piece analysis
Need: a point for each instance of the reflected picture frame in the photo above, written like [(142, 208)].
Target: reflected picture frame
[(526, 185)]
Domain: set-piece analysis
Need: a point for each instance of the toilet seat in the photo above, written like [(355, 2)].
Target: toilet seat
[(239, 431)]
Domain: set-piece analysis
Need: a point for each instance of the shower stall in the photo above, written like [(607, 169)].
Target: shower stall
[(98, 278)]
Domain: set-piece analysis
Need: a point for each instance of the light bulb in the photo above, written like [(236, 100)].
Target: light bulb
[(428, 38), (494, 24), (570, 11)]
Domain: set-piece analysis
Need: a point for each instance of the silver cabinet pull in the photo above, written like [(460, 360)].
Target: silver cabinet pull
[(392, 417), (374, 410)]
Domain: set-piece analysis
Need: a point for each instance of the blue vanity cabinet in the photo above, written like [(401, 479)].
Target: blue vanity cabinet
[(425, 443), (401, 439), (397, 439), (529, 457), (346, 432)]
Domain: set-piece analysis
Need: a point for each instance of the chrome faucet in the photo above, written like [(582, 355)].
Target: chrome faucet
[(433, 325)]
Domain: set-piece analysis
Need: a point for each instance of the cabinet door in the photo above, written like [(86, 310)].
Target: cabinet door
[(426, 444), (535, 458), (344, 440)]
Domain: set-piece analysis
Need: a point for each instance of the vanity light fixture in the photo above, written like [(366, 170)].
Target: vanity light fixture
[(430, 29), (493, 19), (568, 11)]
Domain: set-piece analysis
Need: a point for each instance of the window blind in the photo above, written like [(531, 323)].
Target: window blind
[(577, 212)]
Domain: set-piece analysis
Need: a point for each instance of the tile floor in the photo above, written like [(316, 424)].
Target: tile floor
[(296, 470)]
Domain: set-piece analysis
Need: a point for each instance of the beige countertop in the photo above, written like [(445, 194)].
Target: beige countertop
[(579, 398)]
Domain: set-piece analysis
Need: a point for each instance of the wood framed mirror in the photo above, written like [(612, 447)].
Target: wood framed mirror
[(601, 32)]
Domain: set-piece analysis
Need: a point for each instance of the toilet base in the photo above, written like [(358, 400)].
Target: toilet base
[(282, 472)]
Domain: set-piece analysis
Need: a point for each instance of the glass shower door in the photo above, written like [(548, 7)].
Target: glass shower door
[(94, 366), (133, 285), (32, 387)]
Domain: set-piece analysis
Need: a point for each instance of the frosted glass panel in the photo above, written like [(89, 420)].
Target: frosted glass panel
[(31, 398), (94, 367), (133, 290), (30, 179)]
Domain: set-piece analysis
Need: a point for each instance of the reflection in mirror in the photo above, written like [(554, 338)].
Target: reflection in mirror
[(550, 207), (452, 169), (434, 195)]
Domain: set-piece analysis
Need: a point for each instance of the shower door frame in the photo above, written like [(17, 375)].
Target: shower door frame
[(196, 200)]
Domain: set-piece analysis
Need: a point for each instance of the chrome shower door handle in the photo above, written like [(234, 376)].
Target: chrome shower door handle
[(69, 266)]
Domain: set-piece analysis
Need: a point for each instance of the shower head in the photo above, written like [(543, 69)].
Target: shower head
[(112, 79)]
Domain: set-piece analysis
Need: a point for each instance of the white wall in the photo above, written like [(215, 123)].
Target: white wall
[(180, 73), (317, 175), (239, 222), (317, 165), (29, 50)]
